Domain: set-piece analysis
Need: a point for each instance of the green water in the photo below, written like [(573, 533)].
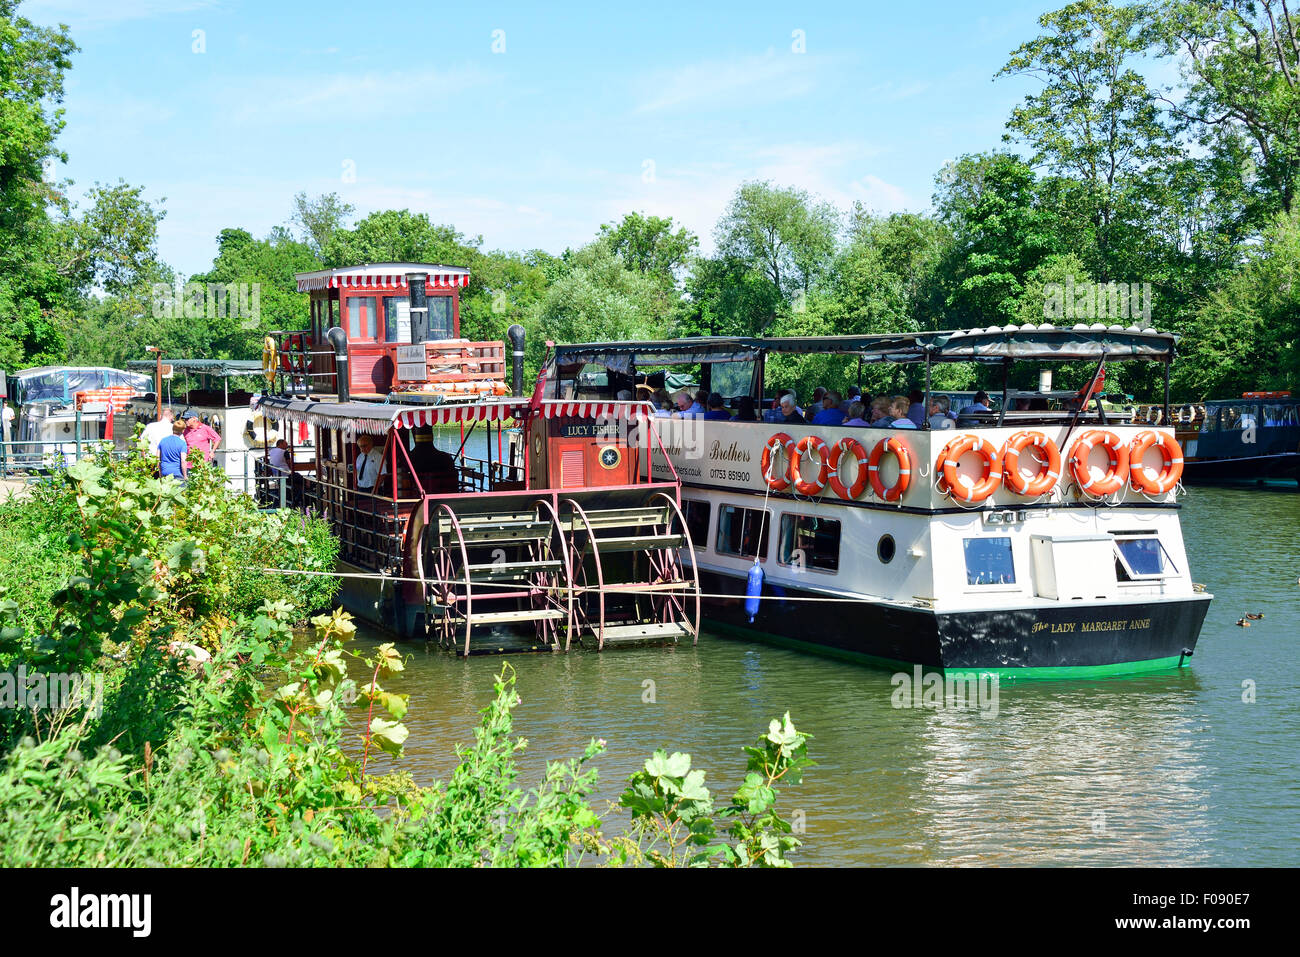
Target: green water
[(1167, 770)]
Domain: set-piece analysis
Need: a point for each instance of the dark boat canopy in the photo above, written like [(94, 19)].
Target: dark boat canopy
[(1027, 343)]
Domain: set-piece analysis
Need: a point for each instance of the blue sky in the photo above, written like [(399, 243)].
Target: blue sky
[(589, 112)]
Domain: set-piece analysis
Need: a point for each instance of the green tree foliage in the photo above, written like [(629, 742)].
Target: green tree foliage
[(781, 233), (600, 300), (319, 219), (649, 244)]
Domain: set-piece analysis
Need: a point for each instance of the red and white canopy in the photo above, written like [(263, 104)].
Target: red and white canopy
[(451, 414), (387, 275), (596, 410)]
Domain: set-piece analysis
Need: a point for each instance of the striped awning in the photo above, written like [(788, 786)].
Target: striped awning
[(595, 410), (452, 414), (383, 275)]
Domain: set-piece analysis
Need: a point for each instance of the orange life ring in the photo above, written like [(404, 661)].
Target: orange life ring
[(854, 447), (1049, 470), (891, 443), (989, 481), (1147, 480), (778, 441), (1116, 474), (814, 487)]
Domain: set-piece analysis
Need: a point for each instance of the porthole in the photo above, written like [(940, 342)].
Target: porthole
[(885, 549)]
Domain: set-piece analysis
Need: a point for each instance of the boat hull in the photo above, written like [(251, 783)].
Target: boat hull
[(1073, 640), (1256, 468)]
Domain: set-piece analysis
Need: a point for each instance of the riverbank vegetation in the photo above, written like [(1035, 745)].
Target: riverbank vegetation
[(1105, 176), (214, 735)]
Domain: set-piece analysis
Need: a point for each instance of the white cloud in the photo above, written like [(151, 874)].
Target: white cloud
[(880, 197)]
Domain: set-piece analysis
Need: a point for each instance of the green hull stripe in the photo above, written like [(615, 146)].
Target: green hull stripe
[(1036, 674)]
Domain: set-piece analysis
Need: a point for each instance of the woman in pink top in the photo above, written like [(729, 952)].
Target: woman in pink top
[(201, 437)]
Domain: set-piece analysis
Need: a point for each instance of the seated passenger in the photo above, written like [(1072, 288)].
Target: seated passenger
[(879, 411), (434, 468), (830, 413), (901, 419), (280, 458), (916, 407), (745, 411), (854, 394), (663, 404), (776, 413), (717, 409), (939, 417), (789, 412), (687, 408), (856, 412), (981, 404)]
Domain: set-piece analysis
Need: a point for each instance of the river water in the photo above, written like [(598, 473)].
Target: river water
[(1175, 769)]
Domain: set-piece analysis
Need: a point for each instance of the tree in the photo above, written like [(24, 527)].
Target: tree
[(115, 243), (319, 219), (400, 236), (600, 300), (1095, 120), (780, 232), (1241, 63), (650, 245)]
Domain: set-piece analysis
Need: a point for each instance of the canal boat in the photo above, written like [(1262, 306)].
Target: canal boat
[(566, 532), (1034, 543), (1255, 438), (62, 409)]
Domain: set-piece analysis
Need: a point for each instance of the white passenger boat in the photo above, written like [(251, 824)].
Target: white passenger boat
[(1040, 543)]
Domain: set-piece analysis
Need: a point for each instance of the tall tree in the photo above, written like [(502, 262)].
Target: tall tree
[(651, 245), (1095, 120), (1241, 61), (319, 219), (780, 232)]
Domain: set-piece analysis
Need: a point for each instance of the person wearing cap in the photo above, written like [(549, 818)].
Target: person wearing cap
[(200, 436), (435, 469)]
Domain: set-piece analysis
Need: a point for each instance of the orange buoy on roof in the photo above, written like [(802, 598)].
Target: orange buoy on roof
[(988, 482), (1149, 480), (804, 486), (1117, 471), (899, 448), (854, 448), (1049, 468), (778, 441)]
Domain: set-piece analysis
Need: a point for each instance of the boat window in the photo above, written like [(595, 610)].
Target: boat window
[(732, 379), (440, 316), (697, 521), (809, 542), (989, 562), (1280, 415), (1237, 417), (1141, 557), (362, 320), (397, 319), (739, 531)]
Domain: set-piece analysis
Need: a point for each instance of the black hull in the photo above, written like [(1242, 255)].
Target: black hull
[(1065, 641), (1255, 468)]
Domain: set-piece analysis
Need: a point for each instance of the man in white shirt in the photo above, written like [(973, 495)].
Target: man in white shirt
[(370, 463), (279, 458), (155, 432)]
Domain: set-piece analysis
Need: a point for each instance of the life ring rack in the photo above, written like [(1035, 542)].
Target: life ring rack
[(1147, 481), (1049, 468)]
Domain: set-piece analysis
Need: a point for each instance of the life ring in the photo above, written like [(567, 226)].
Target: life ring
[(268, 359), (1049, 470), (815, 486), (896, 445), (1148, 480), (778, 441), (854, 448), (1116, 473), (988, 482)]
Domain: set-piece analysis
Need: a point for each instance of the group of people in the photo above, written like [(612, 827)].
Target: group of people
[(828, 407), (170, 441)]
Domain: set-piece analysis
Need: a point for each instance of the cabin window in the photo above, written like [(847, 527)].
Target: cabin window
[(809, 542), (1237, 417), (397, 319), (697, 521), (989, 562), (362, 319), (743, 531), (1280, 415), (1141, 557), (440, 317)]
